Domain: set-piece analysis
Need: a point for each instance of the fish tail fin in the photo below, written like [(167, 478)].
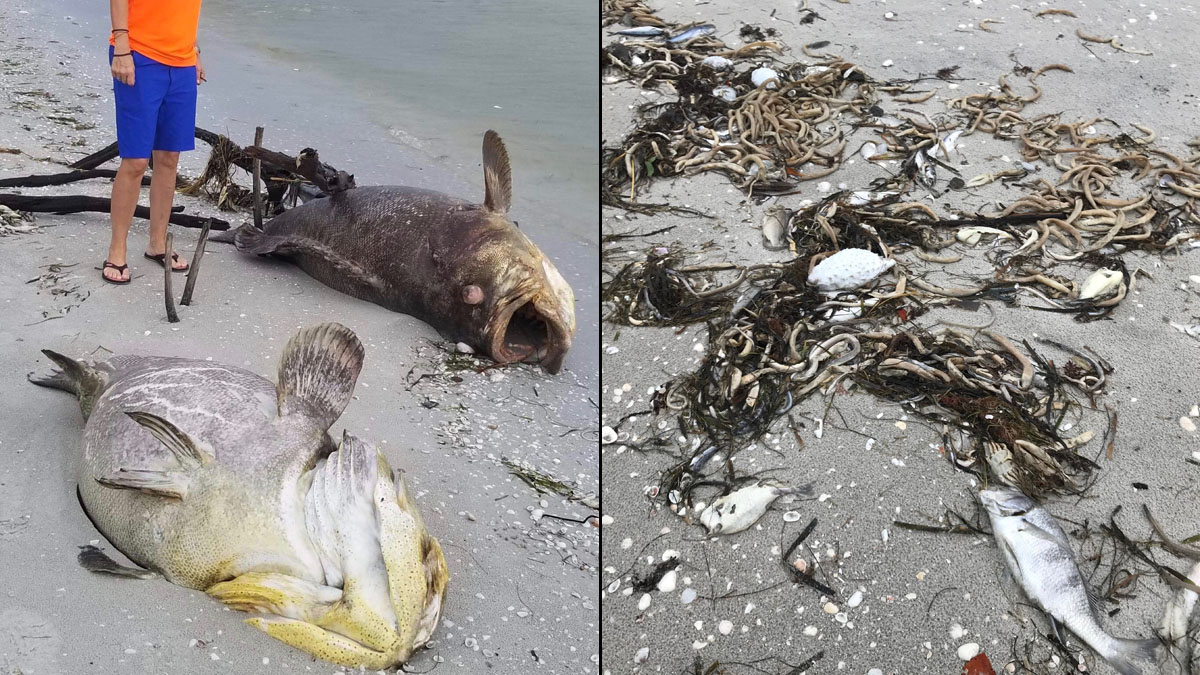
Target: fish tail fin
[(77, 377), (250, 239), (224, 237), (1129, 651), (802, 490)]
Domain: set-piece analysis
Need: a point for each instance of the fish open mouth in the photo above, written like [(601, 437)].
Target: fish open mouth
[(526, 335)]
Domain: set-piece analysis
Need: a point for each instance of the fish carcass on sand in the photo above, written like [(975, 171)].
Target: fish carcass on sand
[(463, 268), (742, 508), (1041, 559), (223, 482)]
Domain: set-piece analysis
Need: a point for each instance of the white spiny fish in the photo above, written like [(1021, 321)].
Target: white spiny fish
[(742, 508), (1041, 559)]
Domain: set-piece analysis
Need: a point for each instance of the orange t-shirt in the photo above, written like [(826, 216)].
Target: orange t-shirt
[(164, 30)]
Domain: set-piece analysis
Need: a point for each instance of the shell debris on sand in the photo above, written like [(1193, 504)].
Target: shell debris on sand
[(848, 269)]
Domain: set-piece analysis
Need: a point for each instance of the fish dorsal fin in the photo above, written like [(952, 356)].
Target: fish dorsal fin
[(317, 372), (190, 452), (497, 177)]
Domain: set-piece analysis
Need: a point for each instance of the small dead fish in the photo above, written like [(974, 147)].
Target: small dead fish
[(949, 142), (984, 179), (775, 227), (926, 173), (1100, 283), (693, 33), (1040, 556), (971, 235), (1190, 330), (701, 459), (643, 31), (742, 508)]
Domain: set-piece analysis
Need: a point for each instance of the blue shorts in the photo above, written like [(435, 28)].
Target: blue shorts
[(159, 111)]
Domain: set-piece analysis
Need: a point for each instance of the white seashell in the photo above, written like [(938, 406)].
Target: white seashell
[(1100, 283), (667, 583), (968, 651), (644, 602), (855, 600), (717, 62), (725, 93), (868, 150), (608, 435), (847, 269), (764, 75), (888, 63), (642, 655), (725, 627), (793, 516), (688, 595)]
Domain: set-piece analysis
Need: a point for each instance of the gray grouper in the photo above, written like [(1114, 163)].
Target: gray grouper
[(221, 481)]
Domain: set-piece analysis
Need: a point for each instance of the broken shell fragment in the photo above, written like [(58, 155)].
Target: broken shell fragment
[(725, 93), (1100, 283), (764, 75), (717, 62), (848, 269), (971, 235)]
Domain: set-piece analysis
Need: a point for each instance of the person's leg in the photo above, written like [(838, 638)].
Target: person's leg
[(137, 108), (162, 196), (175, 132), (127, 187)]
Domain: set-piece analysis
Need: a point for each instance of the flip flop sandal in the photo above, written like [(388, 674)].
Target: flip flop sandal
[(161, 259), (120, 269)]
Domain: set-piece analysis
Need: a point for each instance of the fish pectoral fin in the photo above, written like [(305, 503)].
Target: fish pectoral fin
[(497, 175), (190, 452), (274, 593), (317, 372), (325, 644), (436, 579), (96, 560), (1060, 633), (170, 484)]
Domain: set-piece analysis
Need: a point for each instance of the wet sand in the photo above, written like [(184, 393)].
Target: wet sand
[(915, 586), (523, 592)]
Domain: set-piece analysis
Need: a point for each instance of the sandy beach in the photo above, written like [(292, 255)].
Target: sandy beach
[(524, 595), (905, 601)]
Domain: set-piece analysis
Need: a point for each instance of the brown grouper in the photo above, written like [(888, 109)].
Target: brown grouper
[(463, 268), (221, 481)]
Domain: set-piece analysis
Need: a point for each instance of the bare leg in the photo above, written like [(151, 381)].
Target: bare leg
[(162, 195), (127, 187)]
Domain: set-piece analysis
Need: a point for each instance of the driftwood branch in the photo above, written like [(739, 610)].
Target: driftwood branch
[(258, 139), (194, 268), (44, 180), (308, 166), (78, 203), (168, 294), (97, 158)]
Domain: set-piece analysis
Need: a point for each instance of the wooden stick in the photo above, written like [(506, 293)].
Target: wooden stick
[(307, 165), (167, 271), (194, 268), (97, 158), (43, 180), (78, 203), (258, 139)]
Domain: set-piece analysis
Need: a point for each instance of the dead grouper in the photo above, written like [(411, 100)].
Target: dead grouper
[(463, 268), (1041, 558), (223, 482)]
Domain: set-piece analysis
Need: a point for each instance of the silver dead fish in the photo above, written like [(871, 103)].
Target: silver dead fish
[(693, 33), (742, 508), (775, 227), (1041, 559)]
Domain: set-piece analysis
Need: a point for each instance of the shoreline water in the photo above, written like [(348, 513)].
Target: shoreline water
[(523, 588)]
